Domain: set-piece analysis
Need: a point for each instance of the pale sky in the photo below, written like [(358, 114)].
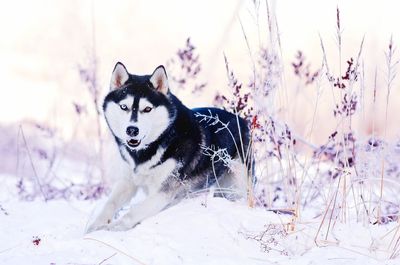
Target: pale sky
[(43, 41)]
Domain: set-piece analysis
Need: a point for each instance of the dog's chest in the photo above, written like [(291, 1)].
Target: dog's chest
[(152, 172)]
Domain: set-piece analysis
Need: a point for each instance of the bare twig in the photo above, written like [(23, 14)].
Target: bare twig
[(120, 251), (32, 164), (104, 260)]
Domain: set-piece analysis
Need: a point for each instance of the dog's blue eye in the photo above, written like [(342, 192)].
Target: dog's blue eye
[(147, 109), (123, 107)]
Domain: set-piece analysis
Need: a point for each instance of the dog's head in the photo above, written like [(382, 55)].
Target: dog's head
[(138, 108)]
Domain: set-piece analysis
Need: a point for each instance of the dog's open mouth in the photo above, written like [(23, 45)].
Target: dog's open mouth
[(133, 143)]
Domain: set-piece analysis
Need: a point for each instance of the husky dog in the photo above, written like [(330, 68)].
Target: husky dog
[(168, 148)]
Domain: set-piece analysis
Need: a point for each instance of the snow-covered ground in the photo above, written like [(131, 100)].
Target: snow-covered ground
[(202, 230)]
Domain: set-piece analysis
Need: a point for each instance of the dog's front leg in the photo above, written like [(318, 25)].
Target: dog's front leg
[(149, 207), (121, 194)]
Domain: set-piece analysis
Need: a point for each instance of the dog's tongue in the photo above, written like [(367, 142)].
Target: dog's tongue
[(133, 142)]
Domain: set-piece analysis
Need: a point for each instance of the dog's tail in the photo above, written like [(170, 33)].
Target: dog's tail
[(244, 179)]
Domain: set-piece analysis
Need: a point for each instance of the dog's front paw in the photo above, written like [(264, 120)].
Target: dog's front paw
[(122, 225), (97, 226), (93, 228)]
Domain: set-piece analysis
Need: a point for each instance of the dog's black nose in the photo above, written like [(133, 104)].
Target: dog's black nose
[(132, 131)]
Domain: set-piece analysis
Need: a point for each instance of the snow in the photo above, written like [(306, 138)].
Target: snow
[(201, 230)]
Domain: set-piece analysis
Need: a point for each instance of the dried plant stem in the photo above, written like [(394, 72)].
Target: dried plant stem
[(244, 153), (374, 103), (250, 53), (247, 162), (396, 249), (251, 169), (109, 257), (94, 89), (32, 164), (101, 147), (309, 138), (274, 38), (391, 74), (120, 251), (339, 45), (322, 221), (333, 208), (397, 229)]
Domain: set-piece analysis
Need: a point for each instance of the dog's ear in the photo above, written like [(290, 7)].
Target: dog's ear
[(159, 80), (119, 76)]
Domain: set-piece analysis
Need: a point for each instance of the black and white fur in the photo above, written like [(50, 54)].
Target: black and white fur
[(162, 144)]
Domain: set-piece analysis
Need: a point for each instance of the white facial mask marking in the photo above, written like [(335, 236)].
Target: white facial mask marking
[(151, 125), (118, 119)]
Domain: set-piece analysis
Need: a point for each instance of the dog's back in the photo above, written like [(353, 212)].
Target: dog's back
[(224, 130), (225, 149)]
